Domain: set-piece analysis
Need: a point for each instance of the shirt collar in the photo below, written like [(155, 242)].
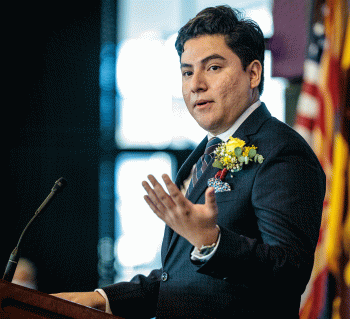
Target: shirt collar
[(226, 135)]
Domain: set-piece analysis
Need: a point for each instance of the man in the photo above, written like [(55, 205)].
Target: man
[(243, 248)]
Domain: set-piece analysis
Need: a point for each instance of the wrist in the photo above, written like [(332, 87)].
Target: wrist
[(210, 240)]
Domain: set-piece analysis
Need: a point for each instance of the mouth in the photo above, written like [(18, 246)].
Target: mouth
[(202, 103)]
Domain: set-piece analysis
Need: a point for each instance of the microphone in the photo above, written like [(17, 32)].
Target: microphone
[(14, 257)]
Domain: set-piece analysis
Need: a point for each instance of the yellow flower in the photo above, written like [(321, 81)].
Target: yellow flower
[(233, 143)]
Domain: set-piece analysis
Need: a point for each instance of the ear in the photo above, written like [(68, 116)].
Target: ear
[(255, 70)]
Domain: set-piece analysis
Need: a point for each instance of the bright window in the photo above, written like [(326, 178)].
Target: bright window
[(141, 231)]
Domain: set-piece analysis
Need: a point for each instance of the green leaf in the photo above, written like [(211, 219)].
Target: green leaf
[(238, 151), (260, 159), (218, 164), (252, 153), (241, 159)]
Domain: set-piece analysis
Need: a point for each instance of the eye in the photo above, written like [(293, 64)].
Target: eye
[(186, 73), (214, 67)]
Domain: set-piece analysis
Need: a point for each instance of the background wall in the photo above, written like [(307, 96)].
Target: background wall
[(50, 129)]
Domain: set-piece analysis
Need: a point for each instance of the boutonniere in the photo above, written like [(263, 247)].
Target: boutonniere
[(231, 156)]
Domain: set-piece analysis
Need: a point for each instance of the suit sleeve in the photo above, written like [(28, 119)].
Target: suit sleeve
[(287, 197), (137, 298)]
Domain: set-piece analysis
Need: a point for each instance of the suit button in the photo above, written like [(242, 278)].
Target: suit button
[(164, 276)]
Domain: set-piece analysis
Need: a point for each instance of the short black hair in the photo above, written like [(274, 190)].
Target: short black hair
[(243, 36)]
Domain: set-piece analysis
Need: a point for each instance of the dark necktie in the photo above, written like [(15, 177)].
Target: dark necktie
[(203, 162)]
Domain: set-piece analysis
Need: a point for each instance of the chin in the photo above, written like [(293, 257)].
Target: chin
[(211, 130), (212, 127)]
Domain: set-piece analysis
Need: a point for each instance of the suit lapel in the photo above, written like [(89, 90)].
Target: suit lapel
[(253, 123)]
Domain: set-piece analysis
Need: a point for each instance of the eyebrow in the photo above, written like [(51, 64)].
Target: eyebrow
[(205, 60)]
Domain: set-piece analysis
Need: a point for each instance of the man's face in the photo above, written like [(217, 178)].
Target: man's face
[(215, 87)]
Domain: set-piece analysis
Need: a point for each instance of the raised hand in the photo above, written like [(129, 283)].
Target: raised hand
[(195, 222)]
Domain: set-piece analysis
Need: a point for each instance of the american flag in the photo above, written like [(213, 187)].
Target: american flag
[(321, 119)]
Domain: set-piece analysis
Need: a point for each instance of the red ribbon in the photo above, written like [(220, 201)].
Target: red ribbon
[(221, 174)]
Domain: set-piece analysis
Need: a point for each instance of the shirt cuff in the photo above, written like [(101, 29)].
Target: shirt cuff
[(197, 256), (103, 294)]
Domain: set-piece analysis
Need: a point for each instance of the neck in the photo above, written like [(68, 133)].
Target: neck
[(225, 135)]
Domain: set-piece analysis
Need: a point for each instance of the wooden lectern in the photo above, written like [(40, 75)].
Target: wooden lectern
[(20, 302)]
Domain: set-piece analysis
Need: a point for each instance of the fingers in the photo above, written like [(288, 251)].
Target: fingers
[(210, 196), (157, 198), (176, 195), (210, 200), (151, 205), (90, 299), (152, 200)]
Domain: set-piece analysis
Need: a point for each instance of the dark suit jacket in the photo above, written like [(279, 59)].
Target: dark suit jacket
[(269, 225)]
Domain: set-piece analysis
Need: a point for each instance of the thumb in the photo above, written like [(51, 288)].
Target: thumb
[(210, 200)]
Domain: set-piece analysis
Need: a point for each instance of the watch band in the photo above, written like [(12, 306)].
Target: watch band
[(206, 250)]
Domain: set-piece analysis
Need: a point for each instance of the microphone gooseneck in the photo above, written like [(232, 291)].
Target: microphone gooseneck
[(14, 257)]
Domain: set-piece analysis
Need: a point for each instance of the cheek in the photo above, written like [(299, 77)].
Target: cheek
[(185, 91), (187, 99), (227, 90), (236, 90), (185, 94)]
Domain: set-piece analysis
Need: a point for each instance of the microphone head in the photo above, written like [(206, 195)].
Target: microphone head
[(59, 185)]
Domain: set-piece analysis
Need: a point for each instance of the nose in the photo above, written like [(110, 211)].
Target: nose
[(198, 82)]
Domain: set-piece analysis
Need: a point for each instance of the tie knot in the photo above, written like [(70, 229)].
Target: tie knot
[(212, 145)]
